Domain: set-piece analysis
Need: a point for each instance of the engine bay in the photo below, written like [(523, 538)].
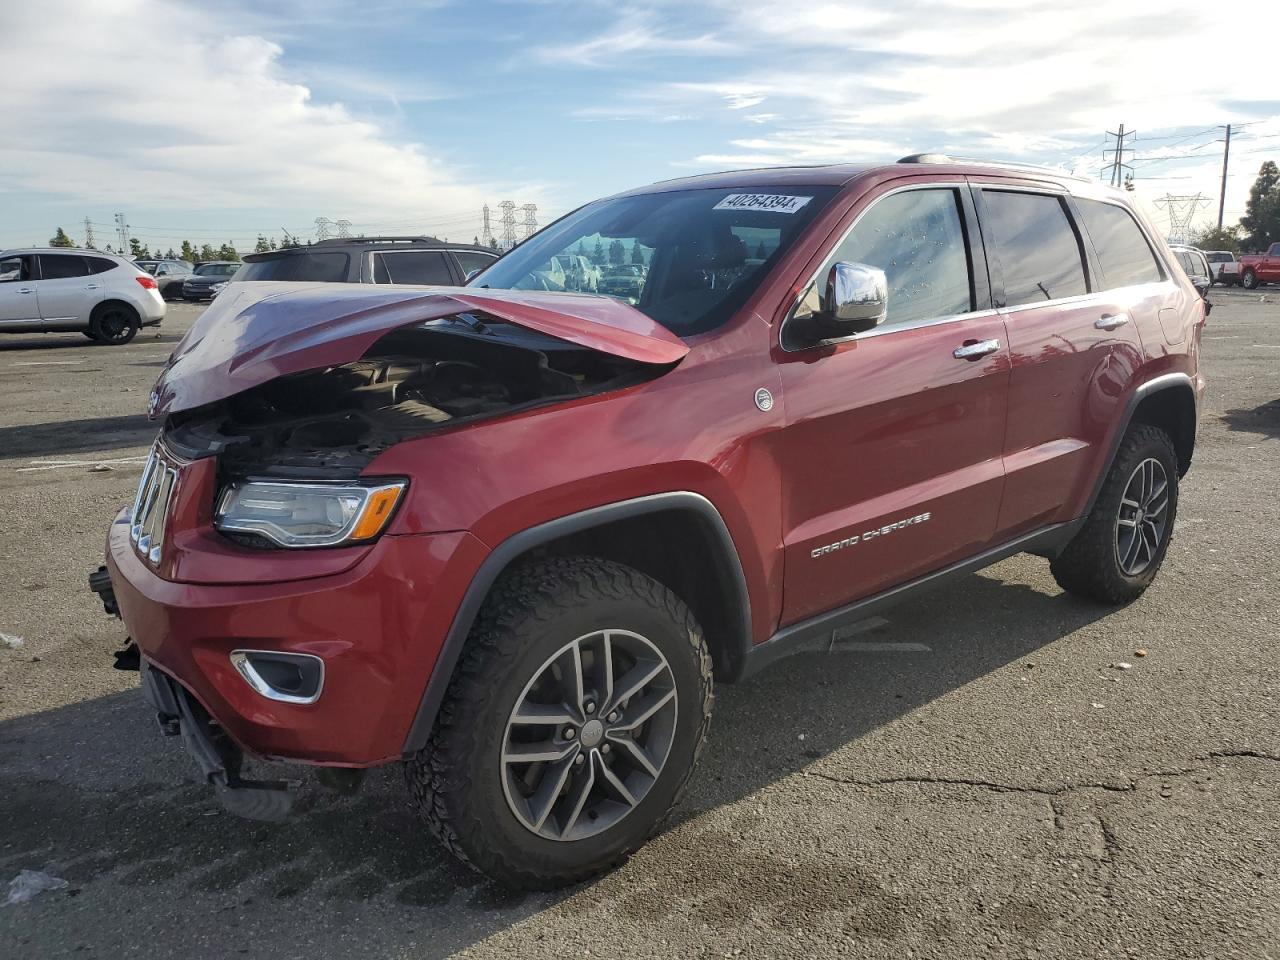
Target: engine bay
[(330, 423)]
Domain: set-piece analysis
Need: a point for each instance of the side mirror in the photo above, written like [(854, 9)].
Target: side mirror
[(471, 274), (1202, 286), (855, 299)]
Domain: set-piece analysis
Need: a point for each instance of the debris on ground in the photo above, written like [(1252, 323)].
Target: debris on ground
[(29, 883), (1140, 653), (10, 641), (1097, 706), (100, 468), (1121, 666)]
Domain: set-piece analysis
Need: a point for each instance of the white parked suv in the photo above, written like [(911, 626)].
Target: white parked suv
[(54, 289)]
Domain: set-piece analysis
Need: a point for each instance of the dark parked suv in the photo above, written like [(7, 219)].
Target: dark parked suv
[(511, 537), (371, 260)]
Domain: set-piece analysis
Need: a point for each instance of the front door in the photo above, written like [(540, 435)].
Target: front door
[(893, 438), (66, 291), (19, 306)]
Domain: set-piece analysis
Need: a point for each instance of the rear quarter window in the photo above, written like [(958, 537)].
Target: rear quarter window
[(100, 264), (1123, 251)]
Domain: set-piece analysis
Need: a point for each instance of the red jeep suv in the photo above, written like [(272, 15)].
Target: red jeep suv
[(509, 535)]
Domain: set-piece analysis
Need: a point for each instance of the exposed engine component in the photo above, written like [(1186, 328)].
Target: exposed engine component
[(332, 422)]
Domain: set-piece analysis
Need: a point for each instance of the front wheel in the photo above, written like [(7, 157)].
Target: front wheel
[(1249, 280), (571, 725), (1117, 553)]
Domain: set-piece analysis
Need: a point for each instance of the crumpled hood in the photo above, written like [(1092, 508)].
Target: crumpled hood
[(255, 332)]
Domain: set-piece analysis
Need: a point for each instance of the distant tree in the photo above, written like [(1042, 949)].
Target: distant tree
[(108, 249), (188, 251), (597, 255), (170, 255), (617, 253), (475, 241), (138, 250), (1217, 238), (228, 252), (262, 246), (1261, 220), (637, 255), (207, 252), (60, 239)]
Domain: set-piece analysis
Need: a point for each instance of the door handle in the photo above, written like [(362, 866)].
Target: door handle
[(92, 286), (26, 290), (1111, 321), (972, 351)]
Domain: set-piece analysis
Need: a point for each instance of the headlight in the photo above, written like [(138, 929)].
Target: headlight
[(217, 287), (308, 514)]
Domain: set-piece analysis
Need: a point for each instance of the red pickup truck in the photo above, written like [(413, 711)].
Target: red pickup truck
[(1260, 268)]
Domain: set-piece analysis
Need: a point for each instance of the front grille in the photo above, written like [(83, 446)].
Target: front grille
[(151, 506)]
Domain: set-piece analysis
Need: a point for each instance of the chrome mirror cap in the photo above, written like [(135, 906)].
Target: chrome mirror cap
[(857, 295)]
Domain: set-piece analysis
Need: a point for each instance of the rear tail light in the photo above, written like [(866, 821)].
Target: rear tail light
[(147, 283)]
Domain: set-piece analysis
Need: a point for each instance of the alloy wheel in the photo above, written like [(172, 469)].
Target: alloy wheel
[(589, 735), (1143, 519), (113, 326)]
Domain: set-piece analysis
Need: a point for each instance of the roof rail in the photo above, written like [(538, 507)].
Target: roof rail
[(415, 239), (975, 161)]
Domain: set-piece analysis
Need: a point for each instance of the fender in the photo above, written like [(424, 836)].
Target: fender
[(524, 541), (1167, 381)]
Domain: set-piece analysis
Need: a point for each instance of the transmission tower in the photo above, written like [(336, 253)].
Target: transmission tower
[(322, 228), (88, 235), (508, 208), (530, 211), (1182, 210), (122, 233), (486, 231), (1114, 154), (344, 228)]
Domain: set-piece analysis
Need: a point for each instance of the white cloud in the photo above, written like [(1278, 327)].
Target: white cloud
[(93, 116), (635, 33)]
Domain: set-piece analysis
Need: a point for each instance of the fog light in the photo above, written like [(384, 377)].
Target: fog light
[(287, 677)]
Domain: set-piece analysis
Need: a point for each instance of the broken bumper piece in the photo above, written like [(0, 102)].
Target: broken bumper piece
[(219, 759)]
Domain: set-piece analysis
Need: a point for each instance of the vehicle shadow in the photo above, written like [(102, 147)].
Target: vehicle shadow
[(1263, 419), (14, 343), (75, 436), (96, 791)]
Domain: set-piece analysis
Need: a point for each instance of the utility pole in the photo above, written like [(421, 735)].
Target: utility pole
[(508, 208), (1117, 166), (1222, 197), (486, 231), (88, 235)]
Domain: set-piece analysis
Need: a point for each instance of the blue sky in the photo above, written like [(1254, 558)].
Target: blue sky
[(216, 122)]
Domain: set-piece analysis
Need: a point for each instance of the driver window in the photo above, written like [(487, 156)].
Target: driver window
[(14, 269), (918, 239)]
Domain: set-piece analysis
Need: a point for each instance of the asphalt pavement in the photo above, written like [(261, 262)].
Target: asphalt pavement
[(997, 769)]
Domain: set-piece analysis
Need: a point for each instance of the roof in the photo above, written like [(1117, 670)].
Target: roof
[(409, 242), (840, 174), (93, 253)]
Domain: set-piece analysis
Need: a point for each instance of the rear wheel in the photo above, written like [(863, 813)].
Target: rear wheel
[(114, 323), (1249, 280), (1119, 550), (571, 725)]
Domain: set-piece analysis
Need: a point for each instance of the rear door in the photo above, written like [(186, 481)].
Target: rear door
[(1073, 350), (891, 449), (66, 291), (19, 308)]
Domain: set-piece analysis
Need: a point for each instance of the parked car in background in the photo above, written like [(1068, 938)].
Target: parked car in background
[(53, 290), (511, 538), (1224, 266), (169, 275), (623, 281), (1195, 265), (1258, 269), (207, 279), (418, 260), (580, 274)]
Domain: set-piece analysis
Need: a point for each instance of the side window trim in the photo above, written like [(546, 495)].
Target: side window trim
[(1084, 243), (981, 293)]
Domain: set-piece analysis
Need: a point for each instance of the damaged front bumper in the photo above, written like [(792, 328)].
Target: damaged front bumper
[(219, 759)]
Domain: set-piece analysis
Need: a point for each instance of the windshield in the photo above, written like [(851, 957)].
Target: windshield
[(217, 269), (688, 259), (1220, 258)]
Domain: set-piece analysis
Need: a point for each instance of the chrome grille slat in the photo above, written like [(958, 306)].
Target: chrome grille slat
[(151, 506)]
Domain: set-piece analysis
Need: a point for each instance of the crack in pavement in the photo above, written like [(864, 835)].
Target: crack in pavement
[(1054, 791)]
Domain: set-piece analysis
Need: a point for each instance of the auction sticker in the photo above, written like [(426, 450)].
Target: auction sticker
[(772, 202)]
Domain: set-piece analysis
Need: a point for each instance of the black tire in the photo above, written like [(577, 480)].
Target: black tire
[(1091, 565), (459, 780), (114, 323), (90, 335), (1249, 280)]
